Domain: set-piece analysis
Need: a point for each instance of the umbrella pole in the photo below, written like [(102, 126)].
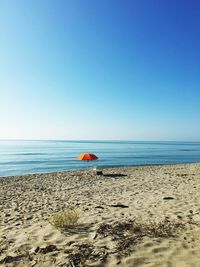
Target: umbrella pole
[(88, 165)]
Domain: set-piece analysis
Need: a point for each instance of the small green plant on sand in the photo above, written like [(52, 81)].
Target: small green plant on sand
[(65, 219)]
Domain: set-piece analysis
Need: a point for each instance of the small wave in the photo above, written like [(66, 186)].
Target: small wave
[(186, 149), (31, 154)]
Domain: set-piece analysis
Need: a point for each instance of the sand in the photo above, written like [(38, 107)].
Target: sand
[(135, 194)]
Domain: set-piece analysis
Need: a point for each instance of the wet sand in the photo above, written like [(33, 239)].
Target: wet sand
[(142, 194)]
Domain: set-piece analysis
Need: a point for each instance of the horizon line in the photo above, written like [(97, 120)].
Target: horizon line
[(97, 140)]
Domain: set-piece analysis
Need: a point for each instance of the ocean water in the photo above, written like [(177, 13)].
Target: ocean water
[(23, 157)]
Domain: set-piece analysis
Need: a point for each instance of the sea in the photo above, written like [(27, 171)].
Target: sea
[(26, 157)]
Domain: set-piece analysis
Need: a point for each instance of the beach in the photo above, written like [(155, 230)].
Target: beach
[(126, 195)]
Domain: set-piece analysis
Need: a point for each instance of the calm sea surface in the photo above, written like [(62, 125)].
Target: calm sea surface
[(22, 157)]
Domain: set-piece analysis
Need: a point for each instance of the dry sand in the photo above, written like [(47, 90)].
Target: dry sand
[(27, 202)]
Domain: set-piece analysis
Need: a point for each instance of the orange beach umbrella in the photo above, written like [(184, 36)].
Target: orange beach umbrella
[(87, 156)]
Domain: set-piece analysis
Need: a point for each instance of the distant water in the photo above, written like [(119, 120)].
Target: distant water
[(22, 157)]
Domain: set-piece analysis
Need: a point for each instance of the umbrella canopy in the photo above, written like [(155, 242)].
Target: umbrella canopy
[(87, 156)]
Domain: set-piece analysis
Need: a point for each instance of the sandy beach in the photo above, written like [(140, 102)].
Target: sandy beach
[(120, 197)]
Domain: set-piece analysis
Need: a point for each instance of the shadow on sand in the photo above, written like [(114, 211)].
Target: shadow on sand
[(82, 229), (114, 175)]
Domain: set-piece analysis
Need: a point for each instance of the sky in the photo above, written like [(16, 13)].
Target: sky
[(100, 70)]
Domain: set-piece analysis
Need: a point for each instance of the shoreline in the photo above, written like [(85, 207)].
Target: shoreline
[(137, 193), (102, 168)]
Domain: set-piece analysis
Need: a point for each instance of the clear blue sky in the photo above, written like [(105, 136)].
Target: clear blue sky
[(100, 69)]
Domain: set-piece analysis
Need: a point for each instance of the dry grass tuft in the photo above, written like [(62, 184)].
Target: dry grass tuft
[(65, 219)]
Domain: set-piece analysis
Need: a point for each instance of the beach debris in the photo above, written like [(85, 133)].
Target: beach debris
[(86, 252), (33, 263), (119, 205), (127, 242), (129, 233), (98, 172), (120, 232), (116, 229), (37, 249), (47, 249), (70, 243), (168, 198), (104, 229), (165, 228), (94, 236), (79, 257), (10, 259)]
